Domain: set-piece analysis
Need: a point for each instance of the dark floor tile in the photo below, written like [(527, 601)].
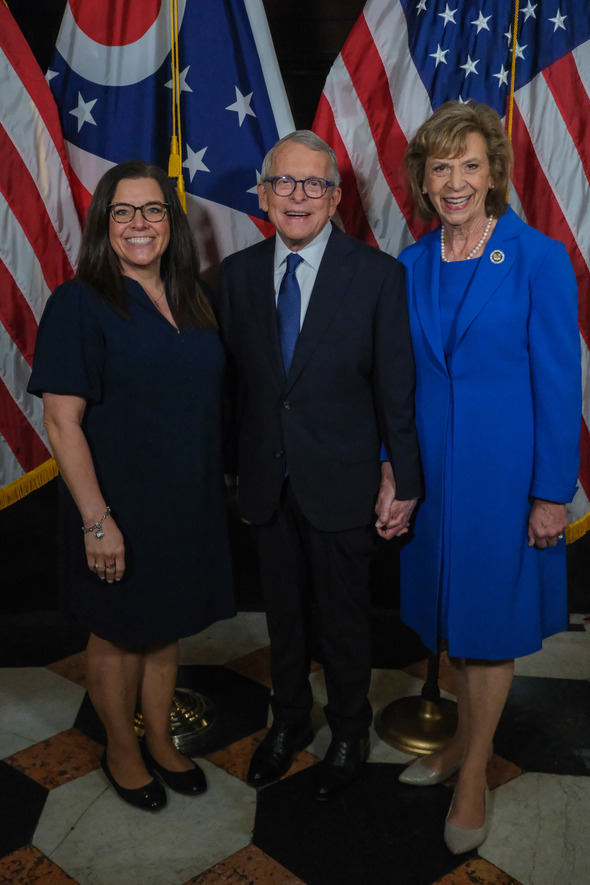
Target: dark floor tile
[(73, 668), (59, 759), (240, 707), (88, 723), (545, 726), (21, 804), (28, 865), (250, 866), (395, 645), (241, 704), (235, 758), (255, 665), (389, 831), (477, 872)]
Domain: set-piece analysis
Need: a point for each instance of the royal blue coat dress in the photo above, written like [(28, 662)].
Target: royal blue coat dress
[(498, 422), (153, 425)]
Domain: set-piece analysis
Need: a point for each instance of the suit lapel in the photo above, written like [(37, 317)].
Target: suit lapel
[(489, 274), (262, 299), (332, 281)]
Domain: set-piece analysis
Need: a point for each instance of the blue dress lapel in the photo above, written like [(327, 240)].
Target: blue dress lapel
[(493, 267)]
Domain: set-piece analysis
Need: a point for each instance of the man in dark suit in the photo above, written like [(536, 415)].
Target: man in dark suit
[(317, 326)]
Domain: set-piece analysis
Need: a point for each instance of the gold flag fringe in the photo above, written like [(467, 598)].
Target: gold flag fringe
[(31, 481), (175, 157), (577, 529)]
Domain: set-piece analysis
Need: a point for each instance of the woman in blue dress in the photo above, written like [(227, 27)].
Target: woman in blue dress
[(493, 314), (130, 367)]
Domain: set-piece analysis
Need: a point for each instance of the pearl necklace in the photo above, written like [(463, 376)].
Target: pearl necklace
[(474, 251)]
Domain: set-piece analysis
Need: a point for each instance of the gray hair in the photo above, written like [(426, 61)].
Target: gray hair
[(310, 140)]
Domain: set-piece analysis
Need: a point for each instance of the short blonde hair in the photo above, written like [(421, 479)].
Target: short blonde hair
[(444, 134)]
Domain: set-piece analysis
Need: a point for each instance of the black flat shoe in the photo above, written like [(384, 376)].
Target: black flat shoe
[(189, 783), (152, 797), (273, 757), (341, 766)]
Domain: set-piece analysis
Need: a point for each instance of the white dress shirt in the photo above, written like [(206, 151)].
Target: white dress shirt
[(307, 271)]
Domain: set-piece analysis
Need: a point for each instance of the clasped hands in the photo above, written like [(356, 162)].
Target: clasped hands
[(393, 515)]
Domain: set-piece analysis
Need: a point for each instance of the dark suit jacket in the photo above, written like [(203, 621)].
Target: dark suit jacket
[(350, 385)]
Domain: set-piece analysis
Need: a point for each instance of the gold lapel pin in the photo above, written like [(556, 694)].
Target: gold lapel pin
[(497, 256)]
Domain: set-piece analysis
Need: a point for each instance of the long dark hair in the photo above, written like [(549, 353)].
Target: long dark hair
[(98, 265)]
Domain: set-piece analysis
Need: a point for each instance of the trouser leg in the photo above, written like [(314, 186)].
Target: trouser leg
[(286, 587), (340, 566)]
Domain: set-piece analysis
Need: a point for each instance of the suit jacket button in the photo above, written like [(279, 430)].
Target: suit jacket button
[(286, 404), (279, 454)]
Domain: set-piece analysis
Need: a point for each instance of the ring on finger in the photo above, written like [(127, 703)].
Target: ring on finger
[(112, 565)]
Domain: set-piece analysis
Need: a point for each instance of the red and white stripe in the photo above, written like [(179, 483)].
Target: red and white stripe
[(39, 240), (374, 101)]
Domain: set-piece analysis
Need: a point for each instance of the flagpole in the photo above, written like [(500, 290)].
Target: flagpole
[(175, 158), (512, 70)]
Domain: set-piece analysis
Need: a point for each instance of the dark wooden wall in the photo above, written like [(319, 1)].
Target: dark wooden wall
[(308, 35)]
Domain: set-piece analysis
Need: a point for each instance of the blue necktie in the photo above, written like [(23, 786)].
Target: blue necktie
[(289, 309)]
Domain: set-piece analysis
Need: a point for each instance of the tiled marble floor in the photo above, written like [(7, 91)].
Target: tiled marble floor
[(61, 823)]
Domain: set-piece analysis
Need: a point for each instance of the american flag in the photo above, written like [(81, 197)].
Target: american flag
[(39, 240), (111, 79), (404, 58)]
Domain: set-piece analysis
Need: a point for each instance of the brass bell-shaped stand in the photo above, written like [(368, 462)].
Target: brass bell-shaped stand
[(191, 717), (419, 725)]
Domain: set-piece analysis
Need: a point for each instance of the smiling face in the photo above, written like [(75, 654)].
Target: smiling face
[(298, 218), (458, 186), (139, 244)]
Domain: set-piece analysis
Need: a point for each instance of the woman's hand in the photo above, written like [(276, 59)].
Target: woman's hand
[(62, 417), (106, 555), (547, 522)]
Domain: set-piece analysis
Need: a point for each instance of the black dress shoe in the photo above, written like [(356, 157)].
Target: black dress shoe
[(152, 797), (189, 783), (341, 766), (273, 757)]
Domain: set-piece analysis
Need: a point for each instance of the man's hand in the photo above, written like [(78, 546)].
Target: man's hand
[(393, 516), (547, 522)]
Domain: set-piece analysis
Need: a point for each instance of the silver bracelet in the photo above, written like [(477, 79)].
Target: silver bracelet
[(97, 527)]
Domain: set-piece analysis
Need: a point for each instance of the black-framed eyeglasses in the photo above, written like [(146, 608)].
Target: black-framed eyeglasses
[(125, 212), (284, 186)]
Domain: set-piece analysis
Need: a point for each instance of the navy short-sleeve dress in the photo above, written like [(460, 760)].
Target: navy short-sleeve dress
[(153, 424)]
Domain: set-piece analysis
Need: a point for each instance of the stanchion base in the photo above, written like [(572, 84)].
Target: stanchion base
[(416, 726), (191, 717)]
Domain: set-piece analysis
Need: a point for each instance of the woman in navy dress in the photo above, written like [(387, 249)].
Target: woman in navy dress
[(493, 314), (130, 367)]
